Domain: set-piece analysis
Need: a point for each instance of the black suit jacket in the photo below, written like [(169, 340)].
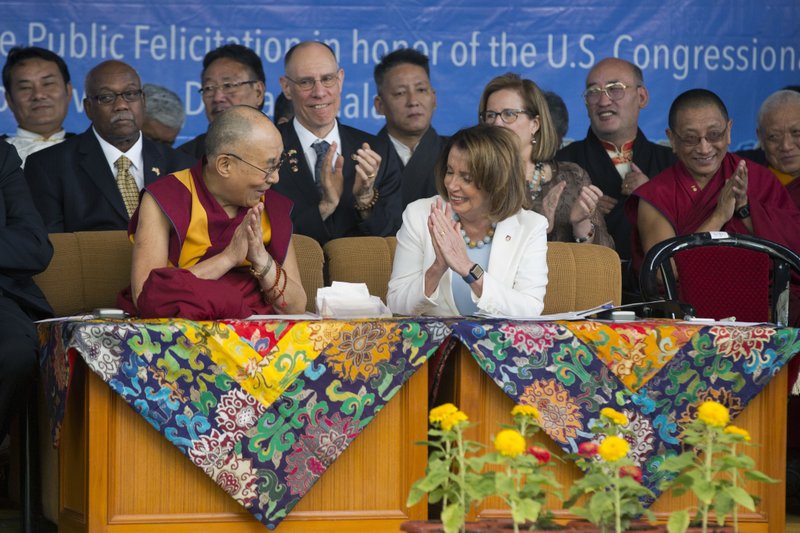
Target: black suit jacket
[(75, 190), (24, 248), (651, 158), (418, 180), (297, 183), (195, 148)]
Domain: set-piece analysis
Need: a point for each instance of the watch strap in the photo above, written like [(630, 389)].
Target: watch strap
[(743, 212), (474, 274)]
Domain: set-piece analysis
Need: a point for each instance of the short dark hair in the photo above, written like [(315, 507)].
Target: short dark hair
[(283, 108), (694, 98), (494, 166), (18, 54), (241, 54), (403, 56), (558, 112)]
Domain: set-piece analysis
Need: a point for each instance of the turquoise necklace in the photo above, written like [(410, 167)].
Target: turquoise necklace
[(535, 183)]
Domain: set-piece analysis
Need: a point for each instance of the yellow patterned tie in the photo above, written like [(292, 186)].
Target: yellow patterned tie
[(127, 184)]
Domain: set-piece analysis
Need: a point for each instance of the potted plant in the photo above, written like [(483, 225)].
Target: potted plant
[(612, 481), (521, 481), (711, 470), (454, 474)]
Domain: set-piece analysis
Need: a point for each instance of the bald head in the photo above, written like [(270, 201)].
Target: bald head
[(313, 83), (95, 77), (777, 102), (779, 131), (244, 151), (617, 64), (236, 127), (115, 103), (615, 120)]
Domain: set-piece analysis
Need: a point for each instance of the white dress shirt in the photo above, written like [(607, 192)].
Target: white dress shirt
[(134, 153), (27, 142)]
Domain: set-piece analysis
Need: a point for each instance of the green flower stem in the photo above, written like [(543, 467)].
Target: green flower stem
[(617, 503), (514, 476), (707, 474), (462, 469), (449, 459), (734, 481)]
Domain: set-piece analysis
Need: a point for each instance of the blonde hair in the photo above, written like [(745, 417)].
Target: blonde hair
[(535, 104), (494, 167)]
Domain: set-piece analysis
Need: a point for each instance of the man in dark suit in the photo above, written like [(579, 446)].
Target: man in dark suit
[(25, 251), (407, 100), (343, 181), (232, 75), (91, 181), (615, 152)]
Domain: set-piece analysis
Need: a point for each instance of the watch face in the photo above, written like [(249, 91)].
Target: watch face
[(476, 271)]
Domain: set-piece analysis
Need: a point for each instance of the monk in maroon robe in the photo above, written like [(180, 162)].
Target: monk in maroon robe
[(709, 189), (214, 241)]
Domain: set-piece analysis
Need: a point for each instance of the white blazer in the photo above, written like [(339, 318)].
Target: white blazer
[(514, 282)]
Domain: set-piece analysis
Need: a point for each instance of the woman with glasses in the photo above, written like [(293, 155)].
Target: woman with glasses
[(562, 192), (474, 248), (213, 241)]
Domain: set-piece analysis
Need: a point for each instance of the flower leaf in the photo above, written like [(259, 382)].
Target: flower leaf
[(704, 490), (740, 496), (678, 522), (759, 476), (526, 510), (453, 517)]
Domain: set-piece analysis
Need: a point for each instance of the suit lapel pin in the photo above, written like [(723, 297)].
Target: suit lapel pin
[(156, 171), (292, 154), (508, 238)]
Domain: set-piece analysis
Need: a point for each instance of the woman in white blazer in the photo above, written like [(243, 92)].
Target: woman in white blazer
[(475, 248)]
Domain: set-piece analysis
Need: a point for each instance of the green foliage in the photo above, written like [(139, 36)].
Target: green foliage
[(613, 496), (711, 469)]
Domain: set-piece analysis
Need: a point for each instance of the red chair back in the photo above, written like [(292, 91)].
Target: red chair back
[(723, 281)]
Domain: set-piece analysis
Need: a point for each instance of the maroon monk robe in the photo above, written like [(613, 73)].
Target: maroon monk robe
[(174, 291), (675, 194)]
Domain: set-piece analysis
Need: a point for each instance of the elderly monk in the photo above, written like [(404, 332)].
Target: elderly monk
[(779, 134), (213, 241), (709, 189)]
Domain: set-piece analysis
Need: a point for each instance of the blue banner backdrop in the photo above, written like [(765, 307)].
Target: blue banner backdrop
[(742, 50)]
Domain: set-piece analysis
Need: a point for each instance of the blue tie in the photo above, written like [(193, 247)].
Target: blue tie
[(321, 147)]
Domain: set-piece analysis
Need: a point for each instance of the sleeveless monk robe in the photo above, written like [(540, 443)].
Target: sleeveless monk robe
[(202, 229), (675, 194)]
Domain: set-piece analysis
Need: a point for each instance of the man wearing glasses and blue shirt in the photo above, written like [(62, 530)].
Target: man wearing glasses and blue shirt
[(615, 152), (232, 75), (343, 181), (92, 181)]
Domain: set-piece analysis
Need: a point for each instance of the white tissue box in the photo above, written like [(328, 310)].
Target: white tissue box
[(349, 300)]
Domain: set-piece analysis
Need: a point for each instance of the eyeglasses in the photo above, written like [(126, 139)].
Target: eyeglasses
[(306, 84), (110, 98), (228, 88), (508, 116), (267, 172), (615, 91), (693, 139)]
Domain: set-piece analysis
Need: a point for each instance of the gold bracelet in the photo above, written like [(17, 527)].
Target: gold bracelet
[(371, 204), (263, 272)]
